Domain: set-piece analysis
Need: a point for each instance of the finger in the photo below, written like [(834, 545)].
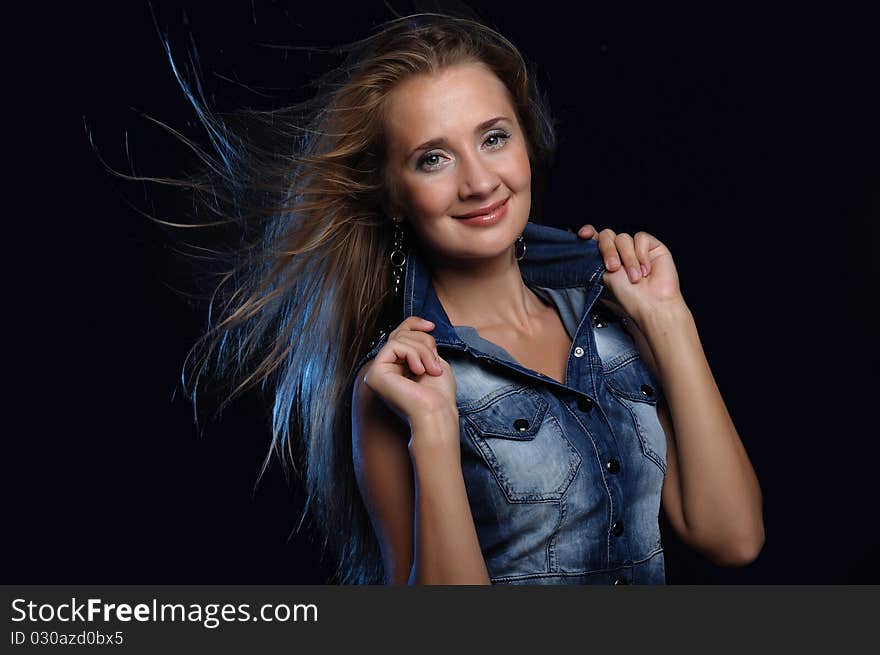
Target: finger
[(588, 232), (411, 356), (642, 241), (425, 353), (609, 249), (626, 248), (421, 337), (425, 339), (424, 342), (412, 323), (418, 323), (400, 354)]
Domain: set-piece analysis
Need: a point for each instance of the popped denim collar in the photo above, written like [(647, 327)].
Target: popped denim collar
[(554, 258)]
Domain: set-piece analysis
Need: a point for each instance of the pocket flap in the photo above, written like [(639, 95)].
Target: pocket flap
[(632, 379), (513, 415)]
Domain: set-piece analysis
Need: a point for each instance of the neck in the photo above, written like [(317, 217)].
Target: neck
[(487, 294)]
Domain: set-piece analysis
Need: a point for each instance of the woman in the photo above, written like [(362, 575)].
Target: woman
[(526, 433)]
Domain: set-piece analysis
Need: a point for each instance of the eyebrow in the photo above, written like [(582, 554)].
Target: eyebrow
[(439, 140)]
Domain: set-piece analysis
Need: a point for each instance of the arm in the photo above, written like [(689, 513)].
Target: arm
[(711, 494), (414, 495), (448, 550)]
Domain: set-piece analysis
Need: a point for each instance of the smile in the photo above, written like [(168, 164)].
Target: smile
[(490, 218)]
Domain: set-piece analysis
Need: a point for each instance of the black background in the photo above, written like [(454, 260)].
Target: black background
[(747, 142)]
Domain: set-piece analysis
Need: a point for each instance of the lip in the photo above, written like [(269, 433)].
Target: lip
[(487, 220), (483, 210)]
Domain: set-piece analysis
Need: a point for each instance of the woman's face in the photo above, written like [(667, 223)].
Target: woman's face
[(448, 156)]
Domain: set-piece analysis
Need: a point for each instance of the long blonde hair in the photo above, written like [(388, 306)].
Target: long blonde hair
[(301, 297)]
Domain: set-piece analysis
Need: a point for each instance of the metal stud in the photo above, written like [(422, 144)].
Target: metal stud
[(521, 424)]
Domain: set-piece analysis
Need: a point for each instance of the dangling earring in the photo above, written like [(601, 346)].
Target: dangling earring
[(519, 240), (398, 256)]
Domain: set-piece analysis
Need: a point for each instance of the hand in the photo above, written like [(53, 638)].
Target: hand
[(610, 254), (409, 374), (650, 280)]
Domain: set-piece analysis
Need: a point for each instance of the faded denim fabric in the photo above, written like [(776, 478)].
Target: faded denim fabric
[(563, 481)]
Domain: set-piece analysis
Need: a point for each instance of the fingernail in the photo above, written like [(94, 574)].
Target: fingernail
[(645, 270), (634, 274), (612, 262)]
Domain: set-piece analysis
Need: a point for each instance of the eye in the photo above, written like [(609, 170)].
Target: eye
[(424, 159), (503, 136), (498, 138)]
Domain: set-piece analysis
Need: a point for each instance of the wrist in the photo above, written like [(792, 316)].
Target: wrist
[(434, 419), (435, 433), (664, 316)]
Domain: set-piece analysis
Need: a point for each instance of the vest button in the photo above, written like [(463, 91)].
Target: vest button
[(521, 424), (617, 528), (613, 465), (578, 352), (620, 581), (585, 404), (647, 390)]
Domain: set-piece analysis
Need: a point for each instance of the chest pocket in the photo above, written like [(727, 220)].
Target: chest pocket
[(630, 382), (523, 444)]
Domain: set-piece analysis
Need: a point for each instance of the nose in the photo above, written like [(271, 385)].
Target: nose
[(477, 176)]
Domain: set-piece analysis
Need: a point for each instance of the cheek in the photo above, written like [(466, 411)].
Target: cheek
[(428, 199), (518, 172)]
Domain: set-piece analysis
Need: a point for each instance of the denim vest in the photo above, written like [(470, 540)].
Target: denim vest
[(563, 481)]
